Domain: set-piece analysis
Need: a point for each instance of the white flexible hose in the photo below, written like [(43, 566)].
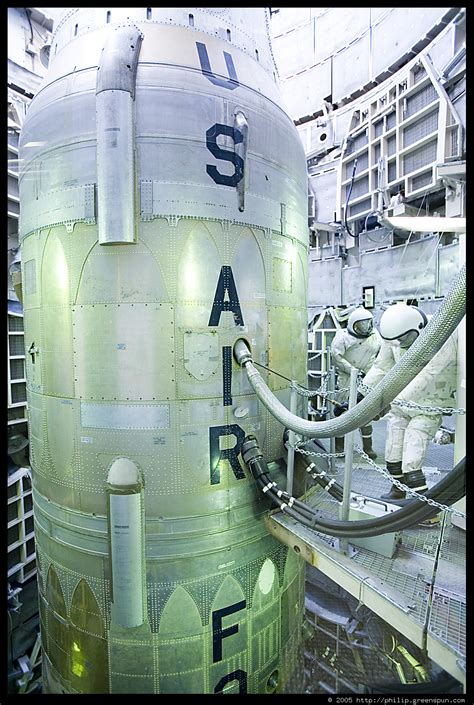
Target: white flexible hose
[(432, 338)]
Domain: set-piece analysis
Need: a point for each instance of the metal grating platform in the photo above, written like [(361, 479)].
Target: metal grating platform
[(421, 590), (426, 543), (453, 546), (447, 621), (406, 573)]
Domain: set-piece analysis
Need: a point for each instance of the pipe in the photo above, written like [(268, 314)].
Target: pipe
[(115, 94), (461, 398), (241, 124), (440, 327), (332, 440), (349, 451), (335, 490), (448, 491), (126, 532), (290, 465), (403, 518)]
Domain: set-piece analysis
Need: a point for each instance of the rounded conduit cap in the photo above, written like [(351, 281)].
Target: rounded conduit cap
[(123, 472)]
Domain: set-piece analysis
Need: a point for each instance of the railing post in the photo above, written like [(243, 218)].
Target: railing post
[(349, 453), (332, 440), (291, 441)]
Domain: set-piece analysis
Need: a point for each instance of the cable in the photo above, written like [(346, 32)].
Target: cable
[(397, 521), (273, 371), (31, 26), (450, 489), (375, 230), (43, 39), (348, 199), (409, 236), (435, 249)]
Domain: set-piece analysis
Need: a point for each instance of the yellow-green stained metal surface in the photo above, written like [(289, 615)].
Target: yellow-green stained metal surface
[(133, 360)]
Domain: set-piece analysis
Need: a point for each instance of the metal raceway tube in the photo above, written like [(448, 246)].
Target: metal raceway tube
[(450, 489), (115, 97), (438, 330)]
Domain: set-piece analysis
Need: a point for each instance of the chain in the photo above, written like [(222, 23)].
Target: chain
[(412, 405), (324, 386), (436, 409), (335, 392), (322, 391), (406, 489), (303, 451), (325, 394), (308, 392), (270, 42), (303, 391)]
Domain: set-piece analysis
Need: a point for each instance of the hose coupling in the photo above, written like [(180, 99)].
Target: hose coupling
[(242, 353), (250, 450)]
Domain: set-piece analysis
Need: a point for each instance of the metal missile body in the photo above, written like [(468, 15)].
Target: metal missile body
[(163, 217)]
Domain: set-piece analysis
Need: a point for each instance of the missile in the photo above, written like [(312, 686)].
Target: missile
[(163, 195)]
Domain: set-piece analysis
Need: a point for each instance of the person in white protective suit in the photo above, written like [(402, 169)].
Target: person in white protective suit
[(410, 430), (355, 346)]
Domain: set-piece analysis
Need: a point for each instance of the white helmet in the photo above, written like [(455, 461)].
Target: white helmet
[(360, 323), (403, 323)]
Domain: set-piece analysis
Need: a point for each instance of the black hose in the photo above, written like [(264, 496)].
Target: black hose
[(450, 489), (333, 488), (260, 473), (327, 483)]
